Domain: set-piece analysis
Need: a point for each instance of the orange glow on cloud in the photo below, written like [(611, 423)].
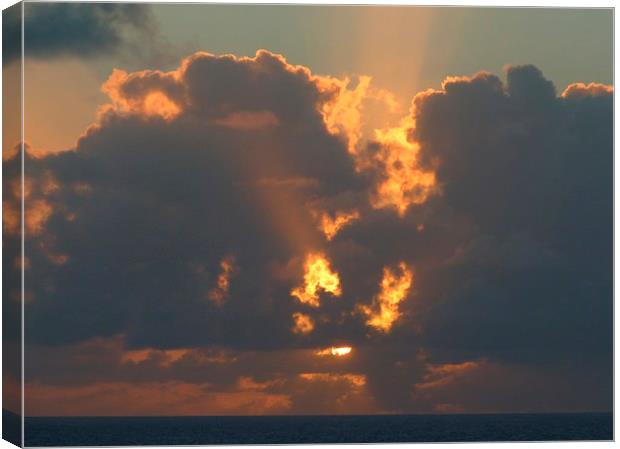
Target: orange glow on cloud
[(156, 103), (37, 209), (330, 226), (246, 383), (404, 182), (150, 399), (36, 214), (394, 288), (441, 375), (357, 380), (338, 351), (345, 111), (136, 356), (11, 218), (581, 90), (166, 356), (157, 93), (49, 184), (153, 103), (343, 114), (219, 293), (304, 324), (318, 275), (57, 259)]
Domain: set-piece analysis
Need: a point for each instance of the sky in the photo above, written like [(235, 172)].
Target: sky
[(250, 210)]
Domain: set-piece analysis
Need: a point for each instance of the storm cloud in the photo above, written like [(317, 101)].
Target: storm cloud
[(473, 273)]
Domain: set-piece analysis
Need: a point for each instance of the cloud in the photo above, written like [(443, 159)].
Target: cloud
[(304, 324), (394, 289), (488, 387), (318, 276), (497, 195), (441, 375), (330, 226), (582, 90), (217, 381), (262, 223), (532, 172), (227, 270), (88, 30), (185, 399)]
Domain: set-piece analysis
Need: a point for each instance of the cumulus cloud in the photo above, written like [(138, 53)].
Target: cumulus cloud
[(191, 228), (534, 177), (224, 222)]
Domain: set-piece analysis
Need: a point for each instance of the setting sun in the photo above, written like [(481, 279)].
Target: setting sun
[(337, 351)]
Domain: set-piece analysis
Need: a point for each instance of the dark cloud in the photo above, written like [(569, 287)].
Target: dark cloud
[(76, 29), (534, 174), (510, 250), (11, 33), (211, 204)]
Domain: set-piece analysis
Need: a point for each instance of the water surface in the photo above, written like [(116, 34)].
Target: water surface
[(110, 431)]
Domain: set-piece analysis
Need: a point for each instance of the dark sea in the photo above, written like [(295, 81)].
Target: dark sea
[(316, 429)]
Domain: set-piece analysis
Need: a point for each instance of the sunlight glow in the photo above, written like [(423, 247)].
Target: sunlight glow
[(318, 275), (394, 289), (337, 351), (330, 226), (404, 182), (304, 324)]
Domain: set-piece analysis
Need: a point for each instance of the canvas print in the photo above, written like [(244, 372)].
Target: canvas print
[(231, 224)]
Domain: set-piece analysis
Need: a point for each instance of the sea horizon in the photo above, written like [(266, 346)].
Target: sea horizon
[(306, 429), (310, 415)]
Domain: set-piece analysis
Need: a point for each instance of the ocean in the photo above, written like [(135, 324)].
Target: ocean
[(113, 431)]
